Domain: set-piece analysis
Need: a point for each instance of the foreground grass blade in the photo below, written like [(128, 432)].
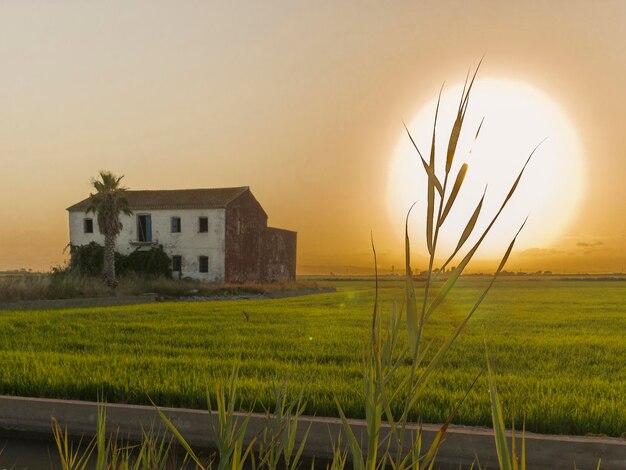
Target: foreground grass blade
[(513, 445), (523, 456), (102, 448), (71, 459), (355, 448), (502, 448), (375, 292), (429, 458), (179, 437)]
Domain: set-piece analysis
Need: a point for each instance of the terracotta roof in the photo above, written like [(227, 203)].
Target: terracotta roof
[(209, 198)]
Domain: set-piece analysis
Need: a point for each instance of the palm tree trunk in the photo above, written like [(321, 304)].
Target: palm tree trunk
[(108, 266)]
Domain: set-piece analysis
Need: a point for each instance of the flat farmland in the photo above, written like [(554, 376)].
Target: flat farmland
[(558, 350)]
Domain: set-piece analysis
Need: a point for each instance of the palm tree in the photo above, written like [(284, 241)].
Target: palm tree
[(108, 202)]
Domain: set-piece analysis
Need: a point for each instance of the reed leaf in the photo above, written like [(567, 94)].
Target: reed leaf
[(469, 89), (480, 126), (430, 209), (438, 358), (450, 282), (458, 122), (510, 248), (455, 133), (411, 301), (471, 224), (455, 191), (467, 231), (454, 138), (443, 292), (469, 228), (427, 169)]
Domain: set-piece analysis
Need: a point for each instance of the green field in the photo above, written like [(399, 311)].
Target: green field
[(558, 349)]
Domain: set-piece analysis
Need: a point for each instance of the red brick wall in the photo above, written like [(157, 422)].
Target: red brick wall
[(254, 251), (245, 227)]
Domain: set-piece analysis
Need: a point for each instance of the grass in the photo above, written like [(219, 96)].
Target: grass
[(556, 349), (68, 285)]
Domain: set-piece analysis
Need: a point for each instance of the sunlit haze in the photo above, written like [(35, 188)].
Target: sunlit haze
[(304, 103)]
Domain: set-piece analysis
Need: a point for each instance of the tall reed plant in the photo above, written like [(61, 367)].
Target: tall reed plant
[(108, 451), (383, 363)]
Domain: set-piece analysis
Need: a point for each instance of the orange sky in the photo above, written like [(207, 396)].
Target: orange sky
[(302, 101)]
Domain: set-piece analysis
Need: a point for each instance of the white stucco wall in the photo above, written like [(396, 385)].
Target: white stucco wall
[(189, 243)]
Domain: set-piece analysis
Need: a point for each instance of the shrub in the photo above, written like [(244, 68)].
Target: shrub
[(153, 263), (88, 259)]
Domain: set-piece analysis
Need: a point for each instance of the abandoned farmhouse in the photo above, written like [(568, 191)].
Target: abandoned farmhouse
[(216, 235)]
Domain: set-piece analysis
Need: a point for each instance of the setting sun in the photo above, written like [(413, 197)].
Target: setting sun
[(517, 117)]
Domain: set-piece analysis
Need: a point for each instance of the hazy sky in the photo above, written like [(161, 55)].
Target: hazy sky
[(302, 101)]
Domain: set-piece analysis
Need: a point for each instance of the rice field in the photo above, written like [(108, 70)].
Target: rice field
[(557, 349)]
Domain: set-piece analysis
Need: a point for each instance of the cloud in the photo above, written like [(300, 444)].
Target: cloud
[(589, 245), (543, 252)]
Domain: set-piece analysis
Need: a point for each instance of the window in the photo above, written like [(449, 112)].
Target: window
[(203, 264), (88, 225), (175, 225), (177, 263), (144, 228), (203, 224)]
